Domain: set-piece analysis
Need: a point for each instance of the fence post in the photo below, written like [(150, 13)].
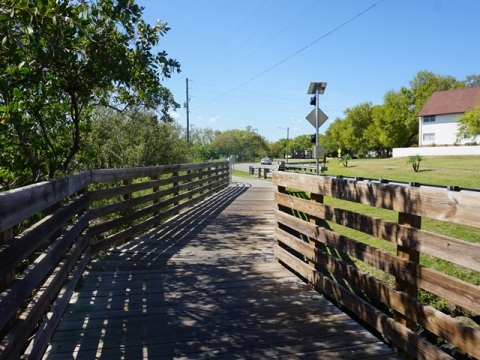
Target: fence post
[(128, 196), (175, 187), (409, 254), (282, 208), (318, 222), (155, 201), (4, 236)]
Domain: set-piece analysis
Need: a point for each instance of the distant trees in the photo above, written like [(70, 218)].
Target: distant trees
[(245, 144), (394, 123), (298, 144), (59, 60), (201, 145), (133, 138)]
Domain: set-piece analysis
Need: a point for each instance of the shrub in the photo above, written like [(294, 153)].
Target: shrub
[(415, 160)]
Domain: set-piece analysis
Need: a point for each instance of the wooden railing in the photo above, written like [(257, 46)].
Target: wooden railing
[(50, 231), (347, 269)]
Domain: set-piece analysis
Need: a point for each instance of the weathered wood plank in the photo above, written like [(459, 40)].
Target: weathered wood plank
[(458, 207), (20, 204), (441, 246), (15, 250), (20, 289), (109, 175)]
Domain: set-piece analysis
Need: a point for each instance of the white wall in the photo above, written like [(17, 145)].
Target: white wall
[(436, 150), (445, 129)]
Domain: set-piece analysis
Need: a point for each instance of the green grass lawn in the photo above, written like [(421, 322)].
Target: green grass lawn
[(463, 171)]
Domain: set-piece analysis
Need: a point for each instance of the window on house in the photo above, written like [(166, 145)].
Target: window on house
[(429, 119), (429, 137)]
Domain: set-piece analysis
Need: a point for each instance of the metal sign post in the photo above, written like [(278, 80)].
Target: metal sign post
[(317, 117)]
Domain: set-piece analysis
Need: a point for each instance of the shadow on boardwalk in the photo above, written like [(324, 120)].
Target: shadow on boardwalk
[(206, 285)]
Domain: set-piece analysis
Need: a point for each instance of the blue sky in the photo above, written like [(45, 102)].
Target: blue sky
[(249, 62)]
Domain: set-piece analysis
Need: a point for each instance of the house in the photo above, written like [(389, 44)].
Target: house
[(438, 117)]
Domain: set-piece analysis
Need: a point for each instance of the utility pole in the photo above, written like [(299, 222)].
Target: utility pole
[(188, 115)]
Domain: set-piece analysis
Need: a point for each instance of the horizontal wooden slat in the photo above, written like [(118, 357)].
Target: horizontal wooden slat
[(452, 206), (20, 289), (20, 204), (136, 214), (444, 247), (402, 337), (102, 194), (20, 247), (42, 337), (449, 329), (13, 344), (130, 203), (109, 175), (452, 289)]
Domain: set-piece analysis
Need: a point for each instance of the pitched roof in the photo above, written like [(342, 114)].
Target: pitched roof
[(451, 101)]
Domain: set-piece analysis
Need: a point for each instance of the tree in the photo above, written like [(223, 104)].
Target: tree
[(278, 148), (373, 132), (392, 121), (298, 144), (333, 138), (131, 139), (472, 80), (356, 122), (469, 125), (245, 144), (425, 83), (58, 61), (201, 144)]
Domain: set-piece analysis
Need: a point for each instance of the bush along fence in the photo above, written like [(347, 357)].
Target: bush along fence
[(384, 269), (51, 230)]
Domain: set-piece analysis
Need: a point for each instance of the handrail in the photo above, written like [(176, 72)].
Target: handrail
[(50, 231), (329, 260)]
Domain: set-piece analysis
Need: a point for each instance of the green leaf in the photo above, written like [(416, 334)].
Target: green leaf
[(17, 93)]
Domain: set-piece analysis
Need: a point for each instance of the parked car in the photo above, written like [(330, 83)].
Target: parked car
[(266, 161)]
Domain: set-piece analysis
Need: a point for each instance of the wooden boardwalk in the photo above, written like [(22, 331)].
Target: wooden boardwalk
[(206, 285)]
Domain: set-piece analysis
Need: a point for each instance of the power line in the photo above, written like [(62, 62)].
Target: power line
[(231, 36), (270, 39), (252, 35), (295, 53)]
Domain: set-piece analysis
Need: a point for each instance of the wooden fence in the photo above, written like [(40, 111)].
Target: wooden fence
[(356, 275), (50, 231)]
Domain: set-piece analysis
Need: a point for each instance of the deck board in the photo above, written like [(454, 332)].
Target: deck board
[(206, 285)]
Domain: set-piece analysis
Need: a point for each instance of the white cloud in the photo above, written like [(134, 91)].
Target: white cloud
[(214, 119), (175, 115)]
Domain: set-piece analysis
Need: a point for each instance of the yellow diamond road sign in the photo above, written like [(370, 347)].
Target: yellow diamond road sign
[(321, 117)]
